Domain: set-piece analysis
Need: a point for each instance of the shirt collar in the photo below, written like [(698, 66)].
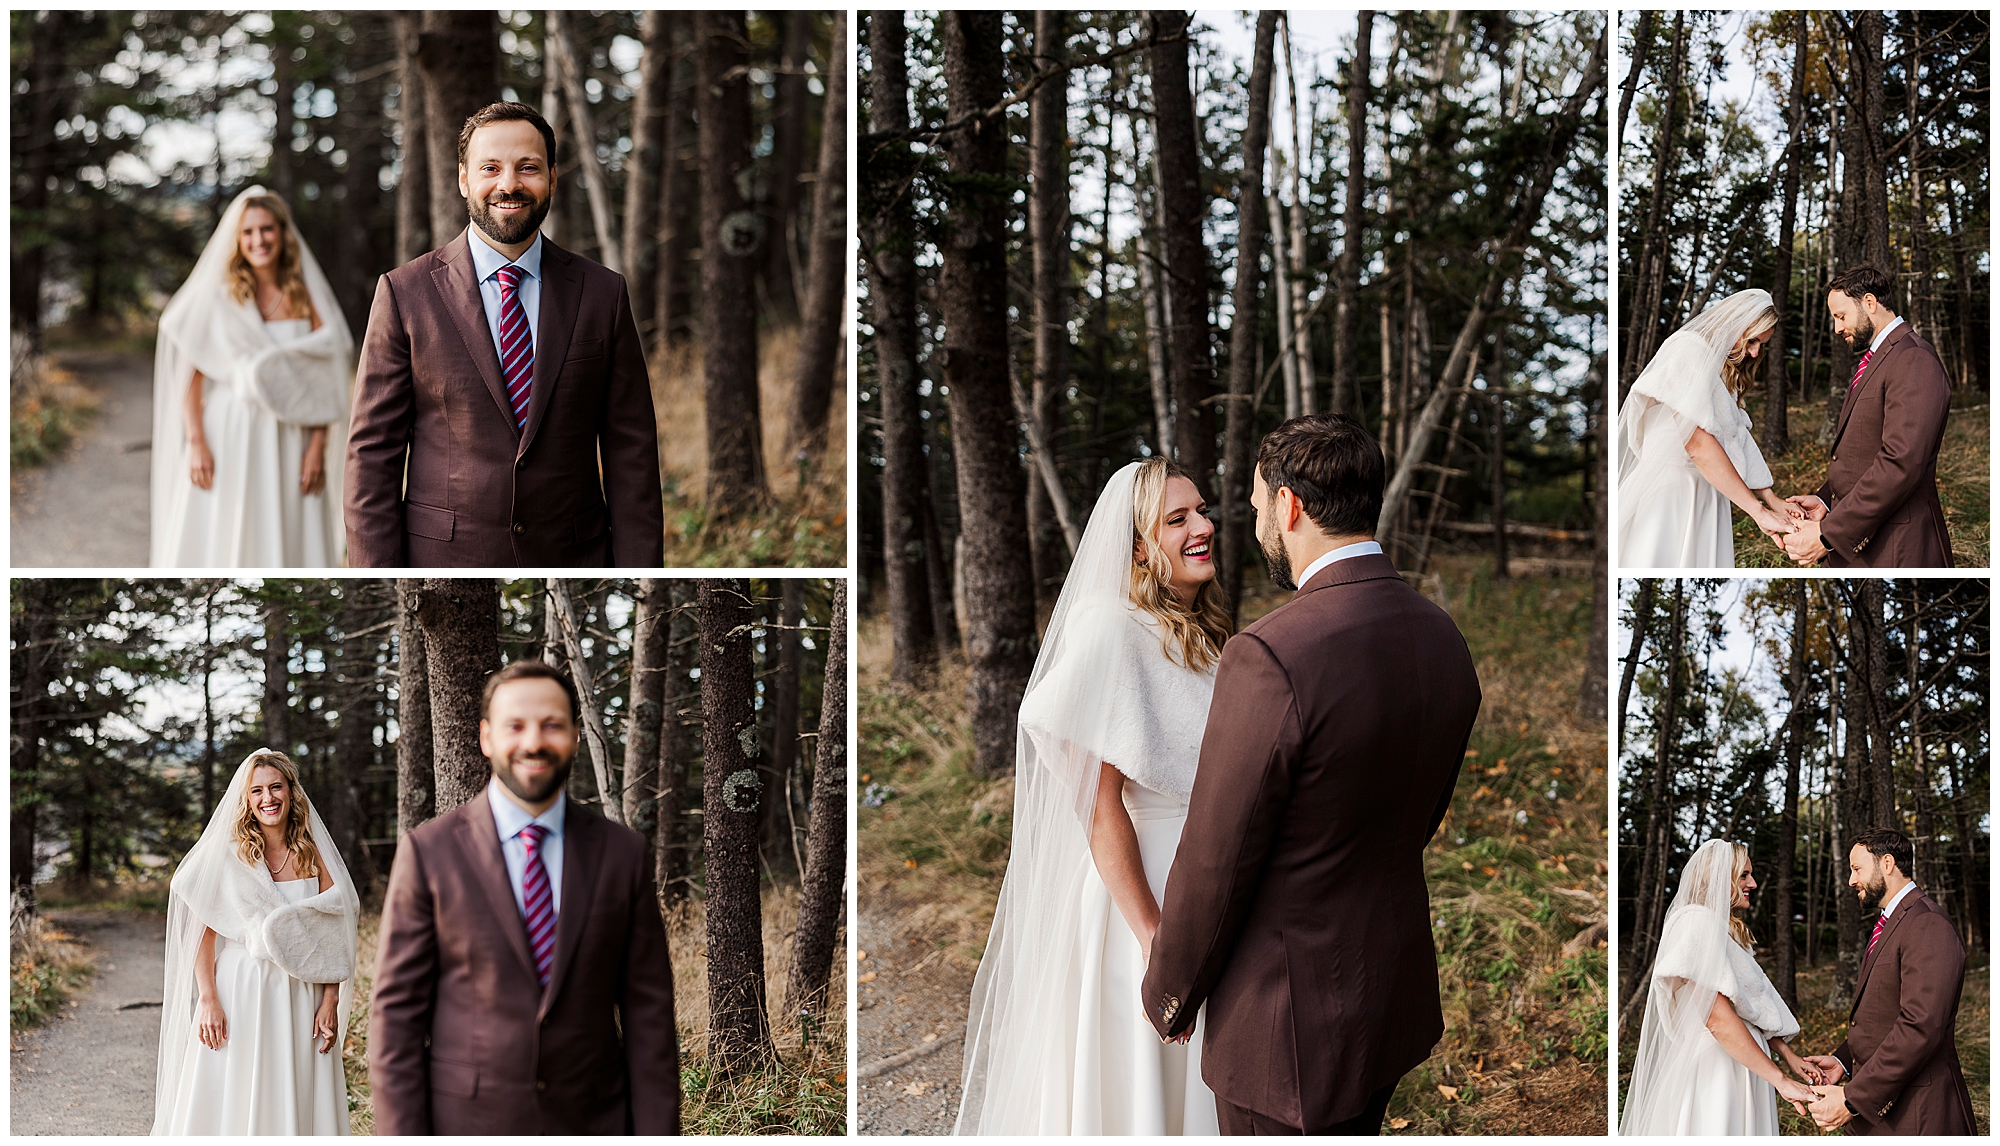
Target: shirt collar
[(1898, 898), (1884, 333), (1358, 549), (510, 817), (487, 261)]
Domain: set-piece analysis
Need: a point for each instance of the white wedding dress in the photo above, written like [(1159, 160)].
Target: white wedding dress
[(1684, 1081), (267, 1078), (1669, 516), (1057, 1042)]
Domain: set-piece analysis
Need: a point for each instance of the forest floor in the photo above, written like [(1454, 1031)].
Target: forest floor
[(1516, 873), (90, 1068), (1964, 483), (88, 505), (1822, 1027)]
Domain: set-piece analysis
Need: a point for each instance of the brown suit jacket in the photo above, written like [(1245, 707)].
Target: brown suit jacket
[(461, 1038), (437, 474), (1899, 1048), (1296, 907), (1881, 486)]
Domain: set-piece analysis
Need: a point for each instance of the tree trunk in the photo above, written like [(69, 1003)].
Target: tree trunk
[(788, 149), (1867, 79), (1288, 347), (583, 133), (580, 674), (821, 897), (1881, 769), (670, 297), (730, 246), (460, 54), (1788, 818), (642, 172), (886, 236), (1159, 367), (1183, 207), (1048, 236), (416, 784), (671, 842), (1347, 306), (1497, 464), (1236, 518), (1298, 337), (820, 348), (208, 703), (1642, 333), (354, 743), (998, 575), (461, 622), (1851, 792), (1642, 44), (783, 699), (652, 615), (35, 649), (1777, 433), (739, 1035), (277, 679), (1590, 691), (1650, 895)]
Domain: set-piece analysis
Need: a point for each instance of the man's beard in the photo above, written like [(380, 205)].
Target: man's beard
[(1859, 337), (502, 231), (534, 794), (1276, 559), (1872, 894)]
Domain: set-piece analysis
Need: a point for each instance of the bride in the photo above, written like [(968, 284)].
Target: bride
[(1110, 731), (250, 381), (1685, 447), (1713, 1019), (260, 963)]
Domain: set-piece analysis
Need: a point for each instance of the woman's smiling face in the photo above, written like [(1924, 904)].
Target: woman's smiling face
[(270, 797), (1186, 534)]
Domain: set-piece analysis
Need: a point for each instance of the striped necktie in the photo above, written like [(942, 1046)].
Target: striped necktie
[(538, 903), (1863, 365), (517, 344), (1880, 922)]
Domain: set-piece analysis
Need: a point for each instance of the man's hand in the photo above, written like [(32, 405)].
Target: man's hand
[(1805, 546), (1830, 1112), (1831, 1070), (1809, 504)]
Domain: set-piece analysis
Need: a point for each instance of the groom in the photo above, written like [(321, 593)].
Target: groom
[(502, 413), (522, 983), (1296, 906), (1878, 508), (1899, 1057)]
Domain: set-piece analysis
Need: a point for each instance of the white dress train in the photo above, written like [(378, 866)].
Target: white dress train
[(267, 1078)]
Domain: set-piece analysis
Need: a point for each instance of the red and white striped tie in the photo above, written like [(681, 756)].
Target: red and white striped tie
[(1865, 356), (538, 903), (517, 345), (1880, 921)]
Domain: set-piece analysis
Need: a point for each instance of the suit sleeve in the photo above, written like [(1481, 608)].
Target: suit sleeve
[(1931, 970), (378, 437), (399, 1015), (1913, 413), (1241, 788), (628, 442), (646, 1015)]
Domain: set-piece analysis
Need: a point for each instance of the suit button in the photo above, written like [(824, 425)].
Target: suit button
[(541, 1084), (520, 463), (519, 528)]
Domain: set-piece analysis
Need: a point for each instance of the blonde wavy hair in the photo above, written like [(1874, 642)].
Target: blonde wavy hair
[(1738, 930), (1191, 635), (1737, 368), (298, 826), (291, 279)]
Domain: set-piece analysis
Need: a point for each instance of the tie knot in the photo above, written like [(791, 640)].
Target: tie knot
[(531, 836), (510, 276)]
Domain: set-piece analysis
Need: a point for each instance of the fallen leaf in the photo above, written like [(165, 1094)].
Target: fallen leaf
[(910, 864), (1471, 752), (1450, 1092), (916, 1088), (867, 978), (1490, 871), (930, 1038), (1399, 1124), (1466, 866), (861, 956)]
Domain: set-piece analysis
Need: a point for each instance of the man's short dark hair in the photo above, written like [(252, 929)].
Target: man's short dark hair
[(1332, 466), (532, 670), (501, 113), (1889, 842), (1862, 279)]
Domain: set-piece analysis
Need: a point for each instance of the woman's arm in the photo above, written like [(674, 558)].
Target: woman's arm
[(201, 463), (1114, 846), (1729, 1030), (211, 1025), (1714, 465)]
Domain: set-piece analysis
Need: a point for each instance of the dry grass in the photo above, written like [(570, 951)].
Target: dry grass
[(47, 407), (1516, 871), (44, 967), (805, 524), (804, 1093)]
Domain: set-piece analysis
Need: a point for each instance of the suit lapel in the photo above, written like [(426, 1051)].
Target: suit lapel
[(481, 841), (1904, 911), (562, 283), (457, 283), (1867, 376), (579, 879)]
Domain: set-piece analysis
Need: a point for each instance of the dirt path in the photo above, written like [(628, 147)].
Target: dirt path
[(91, 507), (90, 1071), (918, 989)]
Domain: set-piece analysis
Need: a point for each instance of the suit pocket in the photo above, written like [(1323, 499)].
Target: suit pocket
[(428, 521), (457, 1079), (585, 349)]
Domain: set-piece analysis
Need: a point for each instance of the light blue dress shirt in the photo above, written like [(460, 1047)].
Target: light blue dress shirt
[(1358, 549), (508, 819), (486, 263)]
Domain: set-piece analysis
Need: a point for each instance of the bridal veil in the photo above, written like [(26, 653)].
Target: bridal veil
[(312, 940), (1685, 376)]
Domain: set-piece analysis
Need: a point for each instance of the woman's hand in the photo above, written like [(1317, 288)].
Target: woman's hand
[(201, 464), (326, 1020), (312, 471), (1774, 523), (210, 1025), (1794, 1091)]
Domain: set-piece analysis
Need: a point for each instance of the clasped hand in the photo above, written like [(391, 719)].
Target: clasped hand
[(1825, 1100), (1793, 526)]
